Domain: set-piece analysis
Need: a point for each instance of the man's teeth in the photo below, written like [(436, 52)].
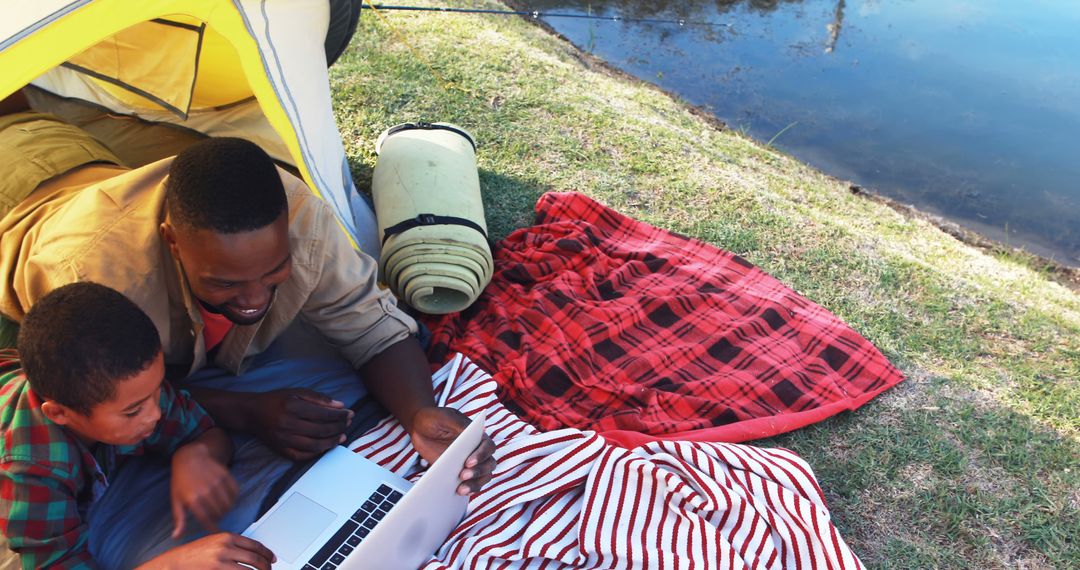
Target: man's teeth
[(247, 311)]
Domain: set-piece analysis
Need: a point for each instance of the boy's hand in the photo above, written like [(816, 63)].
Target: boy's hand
[(222, 551), (434, 429), (300, 423), (201, 485)]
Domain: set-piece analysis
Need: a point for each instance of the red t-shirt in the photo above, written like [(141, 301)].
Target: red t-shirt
[(215, 327)]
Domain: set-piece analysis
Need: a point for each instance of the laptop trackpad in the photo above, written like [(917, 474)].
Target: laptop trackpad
[(293, 527)]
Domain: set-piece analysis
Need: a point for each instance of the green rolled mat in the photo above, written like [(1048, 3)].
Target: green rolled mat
[(435, 253), (473, 273), (397, 254)]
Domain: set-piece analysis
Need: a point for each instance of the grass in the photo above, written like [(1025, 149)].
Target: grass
[(974, 461)]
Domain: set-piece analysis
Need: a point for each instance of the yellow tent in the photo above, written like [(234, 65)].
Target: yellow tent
[(249, 68)]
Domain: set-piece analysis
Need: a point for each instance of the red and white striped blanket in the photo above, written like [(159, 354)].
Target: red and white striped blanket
[(567, 499)]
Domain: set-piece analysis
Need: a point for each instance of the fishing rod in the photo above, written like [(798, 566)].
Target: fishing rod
[(537, 14)]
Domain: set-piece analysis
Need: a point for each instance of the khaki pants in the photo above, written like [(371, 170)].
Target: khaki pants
[(35, 147), (135, 141)]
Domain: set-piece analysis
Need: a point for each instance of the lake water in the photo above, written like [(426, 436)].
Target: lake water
[(965, 108)]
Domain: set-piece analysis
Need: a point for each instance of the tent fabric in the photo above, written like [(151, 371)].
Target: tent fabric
[(167, 78), (242, 68), (597, 321), (568, 499)]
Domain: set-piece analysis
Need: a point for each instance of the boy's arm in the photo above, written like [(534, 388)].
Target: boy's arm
[(201, 483), (39, 515), (221, 551)]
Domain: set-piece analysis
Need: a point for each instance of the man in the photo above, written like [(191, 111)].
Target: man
[(224, 251)]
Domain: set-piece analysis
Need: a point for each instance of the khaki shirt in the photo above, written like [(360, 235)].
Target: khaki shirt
[(83, 228)]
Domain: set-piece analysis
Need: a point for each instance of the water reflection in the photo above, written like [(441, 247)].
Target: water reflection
[(965, 108)]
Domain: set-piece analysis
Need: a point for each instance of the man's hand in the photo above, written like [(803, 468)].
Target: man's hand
[(201, 483), (399, 379), (434, 429), (222, 551), (300, 423)]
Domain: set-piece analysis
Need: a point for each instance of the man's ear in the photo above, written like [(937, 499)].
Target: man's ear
[(168, 235), (58, 413)]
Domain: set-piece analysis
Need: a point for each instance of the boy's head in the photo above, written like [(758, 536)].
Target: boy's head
[(228, 226), (95, 360)]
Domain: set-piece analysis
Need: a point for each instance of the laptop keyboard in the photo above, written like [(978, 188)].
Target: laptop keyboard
[(353, 532)]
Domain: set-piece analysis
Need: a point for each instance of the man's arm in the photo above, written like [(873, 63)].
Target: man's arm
[(398, 378), (296, 422), (302, 423)]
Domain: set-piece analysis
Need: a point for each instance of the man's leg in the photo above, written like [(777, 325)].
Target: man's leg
[(135, 141), (35, 147), (133, 522)]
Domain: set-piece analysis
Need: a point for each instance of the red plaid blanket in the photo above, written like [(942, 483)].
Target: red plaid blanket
[(597, 321)]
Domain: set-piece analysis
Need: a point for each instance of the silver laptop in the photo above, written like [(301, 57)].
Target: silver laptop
[(347, 512)]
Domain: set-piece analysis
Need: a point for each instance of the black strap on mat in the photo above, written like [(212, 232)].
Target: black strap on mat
[(430, 127), (430, 220)]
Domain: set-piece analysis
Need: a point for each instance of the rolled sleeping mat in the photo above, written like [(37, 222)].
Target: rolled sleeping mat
[(435, 253)]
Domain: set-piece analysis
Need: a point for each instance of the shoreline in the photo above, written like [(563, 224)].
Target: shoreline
[(1065, 275)]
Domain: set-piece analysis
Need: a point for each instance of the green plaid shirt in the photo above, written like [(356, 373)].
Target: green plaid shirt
[(49, 478)]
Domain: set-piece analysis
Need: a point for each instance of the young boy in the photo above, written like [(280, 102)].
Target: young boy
[(85, 390)]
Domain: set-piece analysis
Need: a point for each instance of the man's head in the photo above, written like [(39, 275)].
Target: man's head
[(95, 359), (228, 226)]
